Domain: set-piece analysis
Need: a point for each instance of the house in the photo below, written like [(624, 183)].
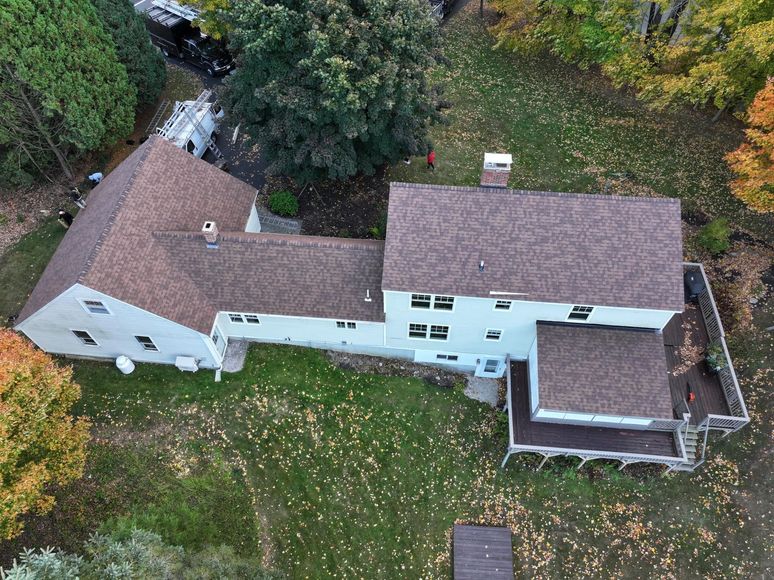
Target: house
[(577, 300)]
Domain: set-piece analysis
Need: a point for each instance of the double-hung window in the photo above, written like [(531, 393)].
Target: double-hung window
[(580, 313), (252, 319), (443, 303), (439, 332), (236, 318), (493, 334), (417, 330), (95, 306), (147, 343), (420, 300), (503, 305), (346, 324), (85, 338)]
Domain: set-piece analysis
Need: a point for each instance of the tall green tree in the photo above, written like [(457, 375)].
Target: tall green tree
[(331, 88), (144, 63), (62, 90)]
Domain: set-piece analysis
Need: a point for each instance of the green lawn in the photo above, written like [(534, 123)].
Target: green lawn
[(568, 131), (21, 266), (323, 472)]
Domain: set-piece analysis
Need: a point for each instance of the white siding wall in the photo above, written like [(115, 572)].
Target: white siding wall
[(51, 329), (472, 316), (254, 222), (367, 338), (534, 398)]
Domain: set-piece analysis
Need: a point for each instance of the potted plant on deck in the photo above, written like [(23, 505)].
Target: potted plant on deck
[(715, 357)]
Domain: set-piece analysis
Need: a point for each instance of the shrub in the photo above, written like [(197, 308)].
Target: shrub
[(379, 231), (714, 237), (141, 554), (283, 203)]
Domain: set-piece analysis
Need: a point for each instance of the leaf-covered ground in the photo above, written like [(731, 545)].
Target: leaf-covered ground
[(325, 473), (569, 131)]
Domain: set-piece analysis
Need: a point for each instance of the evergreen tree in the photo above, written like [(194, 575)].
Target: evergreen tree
[(62, 90), (144, 63), (330, 88)]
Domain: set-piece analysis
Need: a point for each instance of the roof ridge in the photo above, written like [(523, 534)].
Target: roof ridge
[(495, 190), (280, 239), (116, 208)]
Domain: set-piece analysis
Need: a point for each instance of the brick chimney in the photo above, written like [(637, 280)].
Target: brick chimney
[(210, 231), (497, 170)]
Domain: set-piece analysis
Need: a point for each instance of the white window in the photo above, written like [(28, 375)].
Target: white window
[(493, 334), (580, 313), (503, 305), (345, 324), (443, 303), (439, 332), (147, 343), (236, 318), (417, 330), (95, 307), (451, 357), (491, 366), (252, 319), (420, 300), (85, 337)]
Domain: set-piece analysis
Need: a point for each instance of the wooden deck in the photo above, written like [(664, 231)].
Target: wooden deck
[(687, 331), (528, 432), (482, 552)]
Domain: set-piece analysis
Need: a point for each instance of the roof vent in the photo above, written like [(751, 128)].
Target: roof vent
[(368, 296), (497, 170), (481, 266), (210, 231)]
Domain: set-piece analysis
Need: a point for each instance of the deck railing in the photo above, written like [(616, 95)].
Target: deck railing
[(727, 376)]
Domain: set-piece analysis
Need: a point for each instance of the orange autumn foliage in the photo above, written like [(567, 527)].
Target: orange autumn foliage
[(41, 443), (753, 161)]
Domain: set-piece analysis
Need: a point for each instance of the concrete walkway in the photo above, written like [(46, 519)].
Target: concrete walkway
[(481, 389), (234, 359)]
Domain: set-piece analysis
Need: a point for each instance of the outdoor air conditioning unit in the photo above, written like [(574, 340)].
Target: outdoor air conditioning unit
[(187, 363)]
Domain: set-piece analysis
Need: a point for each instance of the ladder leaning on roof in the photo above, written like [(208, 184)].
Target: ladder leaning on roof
[(184, 11), (168, 130)]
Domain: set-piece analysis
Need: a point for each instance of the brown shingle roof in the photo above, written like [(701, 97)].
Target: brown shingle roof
[(594, 250), (139, 241), (283, 274), (605, 370)]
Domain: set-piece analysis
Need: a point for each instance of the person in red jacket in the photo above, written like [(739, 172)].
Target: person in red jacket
[(431, 160)]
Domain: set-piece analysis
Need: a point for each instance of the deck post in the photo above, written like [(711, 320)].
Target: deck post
[(582, 463), (623, 464), (542, 463), (507, 456)]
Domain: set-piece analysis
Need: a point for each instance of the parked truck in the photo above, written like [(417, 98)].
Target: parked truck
[(172, 31)]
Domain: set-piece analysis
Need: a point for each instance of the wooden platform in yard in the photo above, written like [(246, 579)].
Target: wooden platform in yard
[(482, 552)]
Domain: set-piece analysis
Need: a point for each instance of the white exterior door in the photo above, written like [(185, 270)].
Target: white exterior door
[(491, 367)]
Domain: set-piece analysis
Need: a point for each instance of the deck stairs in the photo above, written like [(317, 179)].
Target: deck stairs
[(693, 439)]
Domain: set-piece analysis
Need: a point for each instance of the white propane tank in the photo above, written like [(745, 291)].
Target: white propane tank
[(124, 365)]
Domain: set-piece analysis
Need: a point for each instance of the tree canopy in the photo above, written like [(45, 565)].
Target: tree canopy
[(330, 88), (143, 62), (62, 90), (40, 441), (753, 161), (715, 53)]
